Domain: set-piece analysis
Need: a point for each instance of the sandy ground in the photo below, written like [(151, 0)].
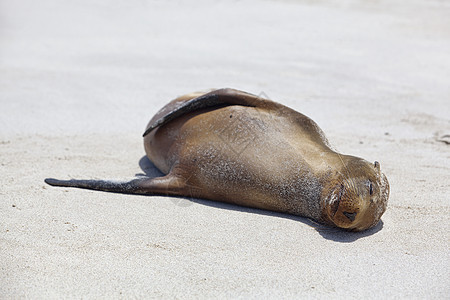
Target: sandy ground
[(79, 80)]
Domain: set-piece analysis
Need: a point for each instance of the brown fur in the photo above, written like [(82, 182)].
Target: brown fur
[(230, 146)]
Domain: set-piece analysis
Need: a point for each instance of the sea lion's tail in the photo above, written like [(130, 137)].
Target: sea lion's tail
[(166, 185), (126, 187)]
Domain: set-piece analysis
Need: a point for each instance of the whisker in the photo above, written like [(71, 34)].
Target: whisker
[(350, 183)]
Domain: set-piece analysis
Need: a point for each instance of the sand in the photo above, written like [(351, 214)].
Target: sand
[(79, 81)]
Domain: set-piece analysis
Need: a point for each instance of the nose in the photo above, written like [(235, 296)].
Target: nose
[(350, 216)]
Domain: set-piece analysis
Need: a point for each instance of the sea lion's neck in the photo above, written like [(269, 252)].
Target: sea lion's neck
[(329, 170)]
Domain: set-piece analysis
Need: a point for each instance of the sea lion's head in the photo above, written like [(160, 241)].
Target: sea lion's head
[(357, 196)]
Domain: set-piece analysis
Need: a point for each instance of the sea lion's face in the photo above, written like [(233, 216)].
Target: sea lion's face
[(359, 198)]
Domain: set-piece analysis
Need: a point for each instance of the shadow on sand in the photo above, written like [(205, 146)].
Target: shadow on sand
[(329, 233)]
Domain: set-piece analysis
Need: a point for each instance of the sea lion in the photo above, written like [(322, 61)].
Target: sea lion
[(230, 146)]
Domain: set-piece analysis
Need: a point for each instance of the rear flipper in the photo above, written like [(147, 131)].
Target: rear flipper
[(167, 185)]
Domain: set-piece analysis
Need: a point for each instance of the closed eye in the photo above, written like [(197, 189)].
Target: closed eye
[(370, 189)]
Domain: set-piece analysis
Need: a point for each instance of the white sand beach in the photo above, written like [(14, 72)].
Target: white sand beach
[(79, 80)]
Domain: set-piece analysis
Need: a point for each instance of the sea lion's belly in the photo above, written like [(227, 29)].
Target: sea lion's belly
[(240, 155)]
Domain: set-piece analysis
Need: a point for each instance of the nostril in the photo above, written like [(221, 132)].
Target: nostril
[(350, 216)]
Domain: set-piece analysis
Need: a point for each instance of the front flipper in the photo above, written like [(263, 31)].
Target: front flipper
[(167, 185), (217, 98)]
